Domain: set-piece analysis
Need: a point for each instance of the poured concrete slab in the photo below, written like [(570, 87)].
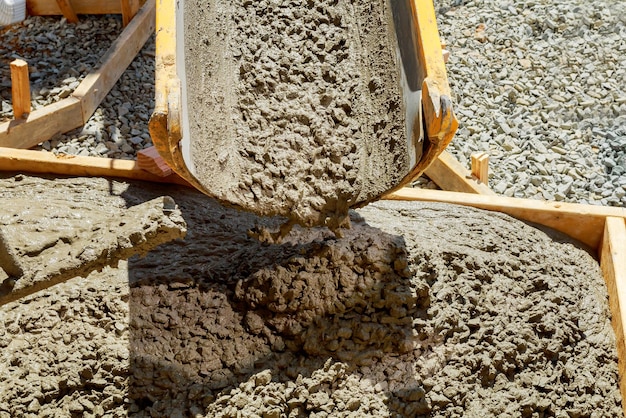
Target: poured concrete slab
[(45, 242)]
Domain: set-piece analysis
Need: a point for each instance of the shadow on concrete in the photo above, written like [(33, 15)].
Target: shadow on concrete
[(210, 312)]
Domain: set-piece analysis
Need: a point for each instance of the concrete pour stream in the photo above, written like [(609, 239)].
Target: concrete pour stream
[(420, 310), (299, 108)]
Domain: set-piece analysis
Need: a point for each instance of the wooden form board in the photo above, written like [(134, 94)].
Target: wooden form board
[(79, 7), (582, 222), (69, 165), (612, 254), (449, 174), (74, 111)]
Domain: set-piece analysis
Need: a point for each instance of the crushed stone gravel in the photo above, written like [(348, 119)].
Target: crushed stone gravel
[(541, 87)]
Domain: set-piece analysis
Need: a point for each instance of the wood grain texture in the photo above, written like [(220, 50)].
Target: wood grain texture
[(612, 254), (67, 10), (449, 174), (480, 167), (20, 88), (92, 7), (149, 159), (42, 124), (582, 222), (48, 163)]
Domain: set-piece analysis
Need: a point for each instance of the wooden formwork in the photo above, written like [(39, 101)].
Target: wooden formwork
[(28, 129), (71, 9)]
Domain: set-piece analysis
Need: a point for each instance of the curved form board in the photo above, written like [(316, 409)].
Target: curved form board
[(301, 112)]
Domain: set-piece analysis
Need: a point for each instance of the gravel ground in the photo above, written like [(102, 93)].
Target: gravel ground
[(540, 85), (60, 55)]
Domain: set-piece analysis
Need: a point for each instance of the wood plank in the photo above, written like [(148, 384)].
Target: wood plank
[(480, 167), (47, 163), (92, 90), (42, 124), (67, 10), (449, 174), (612, 254), (20, 88), (92, 7), (149, 159), (582, 222), (129, 10)]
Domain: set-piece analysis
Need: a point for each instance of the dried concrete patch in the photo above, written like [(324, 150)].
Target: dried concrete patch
[(420, 310), (46, 240), (295, 107)]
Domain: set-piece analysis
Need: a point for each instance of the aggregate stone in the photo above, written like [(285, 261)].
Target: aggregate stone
[(551, 75)]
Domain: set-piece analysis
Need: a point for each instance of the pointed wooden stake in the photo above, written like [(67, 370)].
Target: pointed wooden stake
[(67, 10), (480, 167), (20, 89)]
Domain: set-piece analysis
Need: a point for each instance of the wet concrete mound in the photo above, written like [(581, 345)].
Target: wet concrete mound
[(420, 310)]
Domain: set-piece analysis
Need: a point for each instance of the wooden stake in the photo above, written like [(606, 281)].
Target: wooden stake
[(129, 10), (67, 10), (20, 89), (480, 167), (449, 174), (612, 254)]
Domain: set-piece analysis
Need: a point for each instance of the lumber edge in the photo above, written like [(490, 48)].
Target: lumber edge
[(48, 163), (42, 124), (612, 255), (584, 223), (92, 7), (449, 174)]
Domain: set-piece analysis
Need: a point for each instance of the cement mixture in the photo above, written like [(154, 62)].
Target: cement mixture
[(420, 310), (296, 107)]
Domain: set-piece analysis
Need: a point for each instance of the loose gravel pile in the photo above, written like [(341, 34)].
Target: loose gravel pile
[(60, 55), (420, 310), (541, 86)]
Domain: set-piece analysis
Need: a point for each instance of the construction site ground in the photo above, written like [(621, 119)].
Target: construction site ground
[(420, 310)]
